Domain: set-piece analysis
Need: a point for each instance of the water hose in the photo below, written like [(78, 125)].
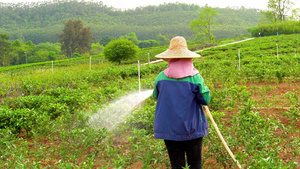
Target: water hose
[(221, 137)]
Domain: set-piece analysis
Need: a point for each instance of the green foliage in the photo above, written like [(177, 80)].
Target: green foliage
[(41, 21), (105, 40), (18, 53), (30, 44), (258, 59), (280, 74), (121, 49), (75, 37), (230, 97), (54, 109), (53, 102), (132, 37), (162, 40), (277, 10), (142, 119), (4, 49), (17, 43), (287, 27), (202, 26), (148, 43), (96, 48), (19, 119)]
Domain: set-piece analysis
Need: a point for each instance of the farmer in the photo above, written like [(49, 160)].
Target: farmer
[(179, 118)]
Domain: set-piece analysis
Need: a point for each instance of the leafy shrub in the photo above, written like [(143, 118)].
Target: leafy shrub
[(229, 97), (53, 102), (19, 119), (120, 49), (109, 92), (29, 102), (143, 119), (29, 87), (148, 43), (73, 98), (4, 90), (54, 109), (280, 74)]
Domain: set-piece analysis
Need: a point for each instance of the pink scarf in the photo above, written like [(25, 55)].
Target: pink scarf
[(180, 68)]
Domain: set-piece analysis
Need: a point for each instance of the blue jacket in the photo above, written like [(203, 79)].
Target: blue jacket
[(179, 115)]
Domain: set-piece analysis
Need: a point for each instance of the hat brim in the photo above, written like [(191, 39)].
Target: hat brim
[(172, 54)]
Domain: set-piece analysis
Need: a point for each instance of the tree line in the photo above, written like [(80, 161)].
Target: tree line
[(41, 21), (17, 53), (276, 28), (275, 19), (142, 26)]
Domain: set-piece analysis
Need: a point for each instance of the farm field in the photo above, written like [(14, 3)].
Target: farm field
[(255, 89)]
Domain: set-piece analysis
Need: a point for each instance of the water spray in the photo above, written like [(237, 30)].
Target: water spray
[(221, 137), (116, 112)]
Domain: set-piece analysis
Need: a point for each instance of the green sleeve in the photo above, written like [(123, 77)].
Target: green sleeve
[(155, 94), (204, 90)]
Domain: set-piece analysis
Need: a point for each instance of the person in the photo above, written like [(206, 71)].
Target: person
[(179, 117)]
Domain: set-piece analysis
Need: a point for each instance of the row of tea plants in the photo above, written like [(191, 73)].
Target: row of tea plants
[(44, 114)]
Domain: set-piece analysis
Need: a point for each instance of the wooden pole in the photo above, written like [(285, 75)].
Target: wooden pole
[(221, 137), (239, 60), (90, 63), (139, 74), (277, 50)]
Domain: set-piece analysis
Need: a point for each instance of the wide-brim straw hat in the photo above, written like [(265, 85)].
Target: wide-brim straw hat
[(178, 49)]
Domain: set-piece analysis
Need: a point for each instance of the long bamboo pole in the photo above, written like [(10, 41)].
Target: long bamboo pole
[(221, 137)]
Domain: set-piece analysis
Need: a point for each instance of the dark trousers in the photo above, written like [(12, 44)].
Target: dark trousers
[(178, 149)]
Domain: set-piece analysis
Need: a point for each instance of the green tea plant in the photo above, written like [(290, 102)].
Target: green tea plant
[(44, 114)]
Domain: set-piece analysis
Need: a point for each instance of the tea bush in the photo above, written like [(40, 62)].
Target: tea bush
[(43, 115), (18, 119)]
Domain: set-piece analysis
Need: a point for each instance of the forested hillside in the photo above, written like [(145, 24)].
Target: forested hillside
[(40, 22)]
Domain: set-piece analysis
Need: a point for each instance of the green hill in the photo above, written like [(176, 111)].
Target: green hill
[(40, 22)]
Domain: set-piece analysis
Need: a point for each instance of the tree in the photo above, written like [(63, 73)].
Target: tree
[(131, 36), (295, 14), (75, 37), (30, 45), (38, 22), (202, 26), (29, 48), (120, 49), (18, 52), (17, 43), (162, 40), (277, 10), (148, 43), (105, 40), (4, 49), (96, 48)]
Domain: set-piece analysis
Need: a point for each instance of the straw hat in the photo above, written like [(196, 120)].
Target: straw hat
[(178, 49)]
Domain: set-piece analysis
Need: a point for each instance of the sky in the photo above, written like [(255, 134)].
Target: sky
[(212, 3), (131, 4)]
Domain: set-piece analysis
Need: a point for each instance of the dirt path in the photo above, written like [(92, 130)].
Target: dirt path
[(160, 60), (225, 44)]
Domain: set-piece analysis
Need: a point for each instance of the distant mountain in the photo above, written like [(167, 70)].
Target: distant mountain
[(40, 22)]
